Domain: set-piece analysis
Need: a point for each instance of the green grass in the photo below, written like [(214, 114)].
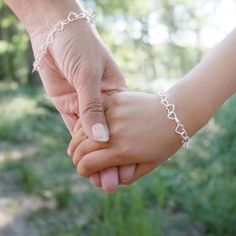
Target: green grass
[(192, 194)]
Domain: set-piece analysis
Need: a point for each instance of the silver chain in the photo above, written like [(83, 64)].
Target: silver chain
[(172, 116), (58, 27)]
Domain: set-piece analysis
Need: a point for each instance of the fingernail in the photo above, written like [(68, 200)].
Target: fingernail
[(126, 173), (100, 132), (110, 180)]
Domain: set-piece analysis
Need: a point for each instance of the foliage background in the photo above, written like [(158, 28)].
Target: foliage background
[(155, 43)]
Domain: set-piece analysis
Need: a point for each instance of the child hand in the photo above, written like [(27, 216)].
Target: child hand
[(140, 132), (107, 179)]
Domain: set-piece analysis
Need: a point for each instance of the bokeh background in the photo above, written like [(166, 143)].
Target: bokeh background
[(155, 43)]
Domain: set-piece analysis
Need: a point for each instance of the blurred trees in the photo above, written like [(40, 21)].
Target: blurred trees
[(13, 46), (154, 39), (149, 39)]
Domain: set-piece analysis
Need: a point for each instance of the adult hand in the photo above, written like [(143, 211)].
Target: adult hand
[(74, 72)]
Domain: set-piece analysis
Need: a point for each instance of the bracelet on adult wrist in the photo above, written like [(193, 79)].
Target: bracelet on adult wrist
[(180, 130), (58, 27)]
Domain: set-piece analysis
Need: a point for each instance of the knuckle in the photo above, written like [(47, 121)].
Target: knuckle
[(93, 109), (120, 99), (85, 168), (117, 131), (116, 100)]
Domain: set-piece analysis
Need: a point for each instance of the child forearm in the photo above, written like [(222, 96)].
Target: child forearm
[(201, 92)]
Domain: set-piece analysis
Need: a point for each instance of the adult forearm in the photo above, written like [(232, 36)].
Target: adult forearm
[(38, 14), (199, 95)]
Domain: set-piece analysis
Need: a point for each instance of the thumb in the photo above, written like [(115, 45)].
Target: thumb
[(91, 110)]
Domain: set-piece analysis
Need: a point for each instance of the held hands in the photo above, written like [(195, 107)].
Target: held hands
[(140, 133), (78, 69), (78, 72)]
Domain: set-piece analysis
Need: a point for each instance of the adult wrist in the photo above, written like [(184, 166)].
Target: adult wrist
[(39, 16), (49, 15)]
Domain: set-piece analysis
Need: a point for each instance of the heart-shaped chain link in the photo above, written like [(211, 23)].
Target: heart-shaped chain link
[(74, 16), (170, 108), (58, 27), (180, 129), (172, 116)]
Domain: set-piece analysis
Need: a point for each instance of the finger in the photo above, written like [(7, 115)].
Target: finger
[(126, 173), (95, 179), (78, 138), (110, 179), (142, 170), (91, 108), (98, 160), (85, 147)]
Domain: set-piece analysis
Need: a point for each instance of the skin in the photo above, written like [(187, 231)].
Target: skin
[(78, 72), (127, 112), (142, 134)]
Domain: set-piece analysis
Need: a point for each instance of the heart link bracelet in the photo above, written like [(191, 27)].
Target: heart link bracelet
[(180, 130), (58, 27)]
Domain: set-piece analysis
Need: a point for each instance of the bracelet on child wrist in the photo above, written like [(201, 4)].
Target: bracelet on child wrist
[(58, 27), (180, 130)]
